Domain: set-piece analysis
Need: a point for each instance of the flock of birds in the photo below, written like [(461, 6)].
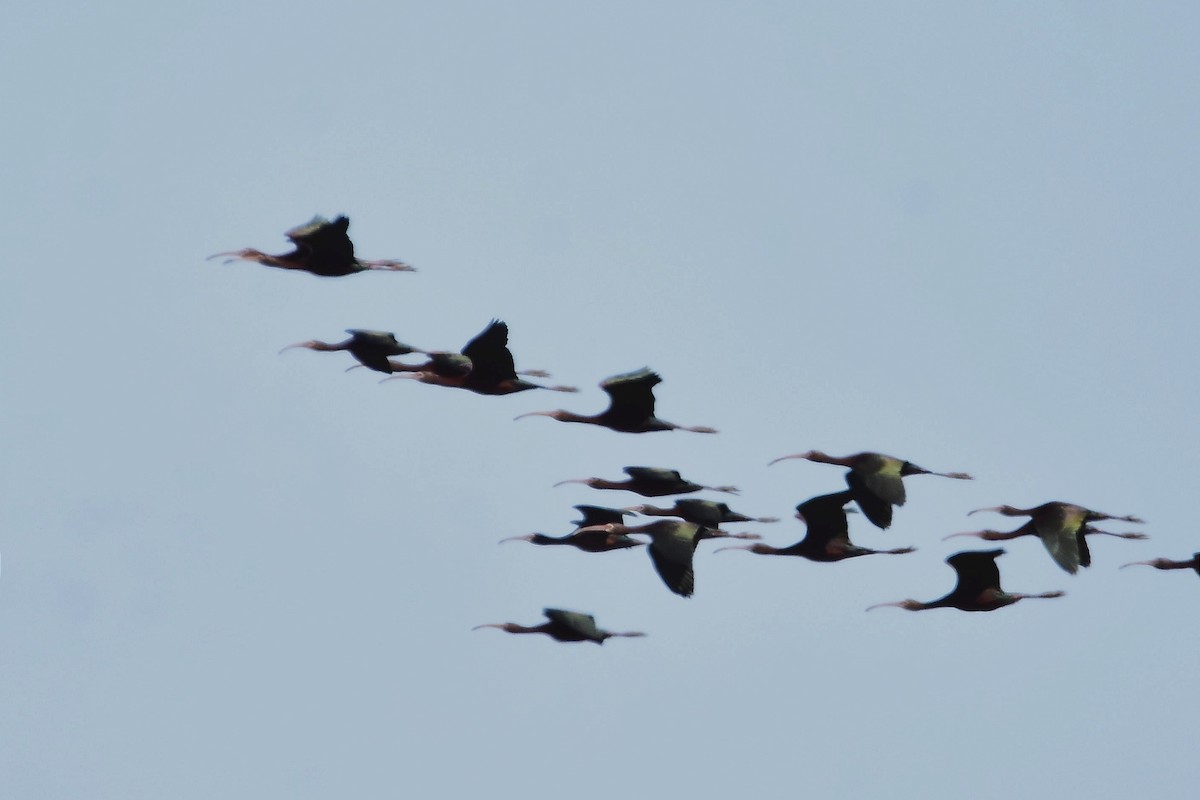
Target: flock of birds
[(875, 482)]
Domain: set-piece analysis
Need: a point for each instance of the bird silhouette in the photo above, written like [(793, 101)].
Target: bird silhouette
[(1062, 528), (322, 248), (876, 480), (592, 541), (370, 348), (708, 513), (563, 626), (630, 408), (485, 366), (650, 482), (977, 589), (672, 546), (828, 533), (1166, 563)]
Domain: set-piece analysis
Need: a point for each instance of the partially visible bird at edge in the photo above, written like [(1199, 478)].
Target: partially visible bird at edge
[(1166, 563)]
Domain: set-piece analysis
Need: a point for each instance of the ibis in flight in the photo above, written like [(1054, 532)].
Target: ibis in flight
[(630, 408), (650, 482), (563, 626), (322, 248), (978, 587)]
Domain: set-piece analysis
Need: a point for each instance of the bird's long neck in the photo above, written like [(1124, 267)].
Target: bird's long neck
[(997, 536)]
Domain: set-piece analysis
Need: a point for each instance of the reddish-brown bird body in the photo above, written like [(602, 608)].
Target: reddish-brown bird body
[(370, 348), (630, 408), (1192, 563), (323, 248), (563, 626), (977, 589), (650, 482)]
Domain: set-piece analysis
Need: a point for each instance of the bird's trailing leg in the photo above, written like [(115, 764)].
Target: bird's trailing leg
[(387, 264), (696, 429)]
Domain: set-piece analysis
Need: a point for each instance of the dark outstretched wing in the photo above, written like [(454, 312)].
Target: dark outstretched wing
[(491, 360), (977, 571), (582, 625), (705, 512), (825, 518), (599, 515), (672, 553), (653, 474), (326, 241), (1085, 555), (874, 508), (631, 397), (372, 348)]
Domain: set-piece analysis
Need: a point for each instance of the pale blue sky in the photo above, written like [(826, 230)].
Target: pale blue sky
[(963, 234)]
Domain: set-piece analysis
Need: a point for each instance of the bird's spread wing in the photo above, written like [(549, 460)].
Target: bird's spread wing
[(874, 508), (977, 571), (325, 240), (825, 517), (1064, 549), (631, 396), (598, 515), (582, 624), (491, 360), (672, 555), (1058, 525), (653, 474), (702, 512)]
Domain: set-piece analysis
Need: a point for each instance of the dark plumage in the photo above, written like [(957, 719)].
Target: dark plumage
[(323, 248), (1061, 527), (370, 348), (828, 535), (630, 408), (563, 626), (978, 586), (708, 513), (875, 480), (1166, 563), (485, 366), (650, 482), (591, 541)]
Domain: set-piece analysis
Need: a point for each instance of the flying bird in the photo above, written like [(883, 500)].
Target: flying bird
[(828, 535), (370, 348), (875, 480), (485, 366), (563, 626), (592, 541), (322, 248), (630, 408), (1062, 527), (1166, 563), (708, 513), (650, 482), (978, 587), (672, 546)]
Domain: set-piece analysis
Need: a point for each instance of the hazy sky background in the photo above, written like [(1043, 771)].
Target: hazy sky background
[(963, 234)]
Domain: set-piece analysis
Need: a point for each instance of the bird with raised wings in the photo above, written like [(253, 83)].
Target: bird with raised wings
[(630, 408), (977, 589), (1062, 528), (562, 626), (322, 247), (875, 479), (590, 541), (828, 533), (485, 366), (650, 482), (370, 348)]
